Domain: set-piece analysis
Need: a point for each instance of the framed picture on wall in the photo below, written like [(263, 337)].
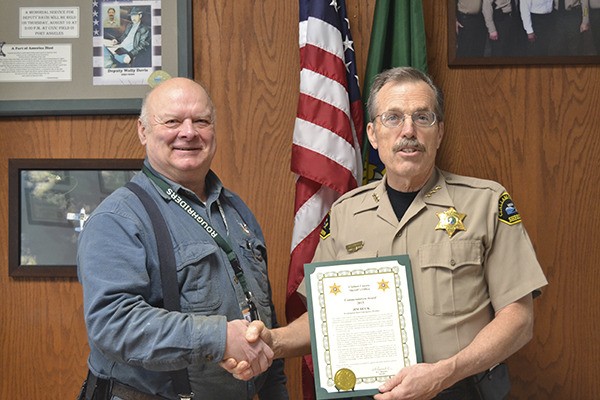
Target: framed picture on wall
[(49, 203), (74, 57), (502, 33)]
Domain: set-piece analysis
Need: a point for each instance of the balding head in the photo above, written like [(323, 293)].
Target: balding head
[(176, 126)]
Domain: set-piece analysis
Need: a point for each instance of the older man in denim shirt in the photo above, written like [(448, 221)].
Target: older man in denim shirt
[(135, 343)]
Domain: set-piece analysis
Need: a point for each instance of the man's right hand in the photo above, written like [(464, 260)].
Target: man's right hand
[(292, 340), (246, 352)]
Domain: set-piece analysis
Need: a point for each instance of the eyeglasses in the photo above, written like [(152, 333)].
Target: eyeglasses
[(391, 119)]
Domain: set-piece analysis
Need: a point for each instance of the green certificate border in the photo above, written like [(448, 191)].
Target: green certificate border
[(403, 272)]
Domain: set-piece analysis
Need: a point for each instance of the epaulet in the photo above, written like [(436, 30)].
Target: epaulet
[(357, 191), (507, 211), (361, 190), (477, 183)]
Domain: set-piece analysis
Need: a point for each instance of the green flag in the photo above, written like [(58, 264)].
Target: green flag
[(397, 39)]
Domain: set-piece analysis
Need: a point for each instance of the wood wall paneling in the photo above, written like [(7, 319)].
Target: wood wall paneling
[(532, 128)]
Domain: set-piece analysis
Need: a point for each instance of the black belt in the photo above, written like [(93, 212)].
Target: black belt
[(104, 389), (500, 12), (574, 8), (469, 15), (128, 393), (494, 382), (461, 390)]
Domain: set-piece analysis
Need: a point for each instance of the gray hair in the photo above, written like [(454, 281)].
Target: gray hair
[(144, 111), (401, 75)]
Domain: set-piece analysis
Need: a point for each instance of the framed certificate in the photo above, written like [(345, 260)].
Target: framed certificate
[(363, 321)]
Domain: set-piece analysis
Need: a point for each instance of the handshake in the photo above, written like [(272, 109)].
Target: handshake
[(248, 349), (251, 347)]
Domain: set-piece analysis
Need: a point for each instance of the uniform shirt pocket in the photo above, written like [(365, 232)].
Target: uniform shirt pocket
[(452, 278)]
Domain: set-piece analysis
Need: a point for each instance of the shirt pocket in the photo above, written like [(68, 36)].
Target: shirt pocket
[(452, 277), (254, 254), (201, 277), (255, 266)]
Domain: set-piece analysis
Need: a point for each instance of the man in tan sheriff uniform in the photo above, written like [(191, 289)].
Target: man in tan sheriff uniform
[(474, 267)]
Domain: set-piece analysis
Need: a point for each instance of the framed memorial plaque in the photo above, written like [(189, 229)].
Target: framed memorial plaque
[(363, 321), (73, 57)]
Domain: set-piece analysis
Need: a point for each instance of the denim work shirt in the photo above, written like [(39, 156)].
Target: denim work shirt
[(132, 338)]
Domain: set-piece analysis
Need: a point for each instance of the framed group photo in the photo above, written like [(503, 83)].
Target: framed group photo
[(511, 33), (69, 57), (49, 203)]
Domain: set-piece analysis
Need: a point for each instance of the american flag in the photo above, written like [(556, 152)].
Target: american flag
[(326, 149)]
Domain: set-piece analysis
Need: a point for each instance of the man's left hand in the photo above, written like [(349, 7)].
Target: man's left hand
[(416, 382)]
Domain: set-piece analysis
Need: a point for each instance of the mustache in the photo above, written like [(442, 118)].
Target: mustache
[(408, 142)]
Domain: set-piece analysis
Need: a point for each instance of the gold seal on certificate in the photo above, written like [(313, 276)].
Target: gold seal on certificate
[(344, 379)]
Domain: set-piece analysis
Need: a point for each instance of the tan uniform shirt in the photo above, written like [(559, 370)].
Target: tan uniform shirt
[(469, 6), (488, 8), (585, 8), (459, 281)]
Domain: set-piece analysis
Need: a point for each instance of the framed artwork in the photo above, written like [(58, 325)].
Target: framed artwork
[(73, 57), (514, 35), (49, 203)]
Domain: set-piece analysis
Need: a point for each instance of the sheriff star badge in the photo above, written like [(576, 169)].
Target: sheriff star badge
[(451, 221)]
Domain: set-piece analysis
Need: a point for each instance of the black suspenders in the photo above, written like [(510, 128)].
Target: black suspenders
[(168, 275)]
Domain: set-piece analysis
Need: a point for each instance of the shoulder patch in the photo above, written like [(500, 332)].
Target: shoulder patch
[(507, 211), (326, 228)]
